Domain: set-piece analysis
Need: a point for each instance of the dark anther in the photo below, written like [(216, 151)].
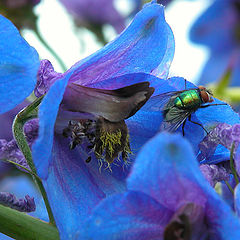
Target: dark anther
[(88, 160)]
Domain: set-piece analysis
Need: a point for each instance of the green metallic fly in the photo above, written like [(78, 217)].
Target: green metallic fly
[(178, 106)]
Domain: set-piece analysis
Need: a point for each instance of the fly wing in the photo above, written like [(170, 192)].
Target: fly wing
[(174, 118), (161, 102)]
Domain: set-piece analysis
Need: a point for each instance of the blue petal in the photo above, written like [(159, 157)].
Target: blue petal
[(78, 186), (48, 110), (147, 45), (237, 199), (217, 22), (19, 63), (167, 170), (160, 171), (132, 216)]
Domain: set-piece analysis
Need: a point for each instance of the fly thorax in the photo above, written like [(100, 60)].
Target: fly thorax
[(106, 140), (188, 99)]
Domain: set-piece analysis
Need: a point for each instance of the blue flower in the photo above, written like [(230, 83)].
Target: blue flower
[(19, 64), (146, 46), (219, 21), (167, 198)]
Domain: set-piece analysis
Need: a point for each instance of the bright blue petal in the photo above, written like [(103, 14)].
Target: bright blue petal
[(160, 171), (147, 45), (48, 110), (78, 186), (237, 199), (167, 170), (129, 216), (19, 63)]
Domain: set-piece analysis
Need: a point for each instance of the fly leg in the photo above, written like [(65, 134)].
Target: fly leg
[(209, 105), (183, 125), (185, 81), (199, 124)]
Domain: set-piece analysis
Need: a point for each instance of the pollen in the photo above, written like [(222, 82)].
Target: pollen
[(107, 140), (112, 139)]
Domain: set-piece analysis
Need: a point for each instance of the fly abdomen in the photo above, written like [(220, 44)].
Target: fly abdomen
[(189, 99)]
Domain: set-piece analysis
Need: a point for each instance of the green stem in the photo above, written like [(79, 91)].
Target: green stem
[(234, 172), (45, 44), (26, 114), (19, 165), (21, 226), (229, 187)]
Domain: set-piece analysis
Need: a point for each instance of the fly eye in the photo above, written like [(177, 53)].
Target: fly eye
[(202, 88), (206, 97)]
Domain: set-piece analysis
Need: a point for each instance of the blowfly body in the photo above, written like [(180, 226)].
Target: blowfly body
[(178, 106)]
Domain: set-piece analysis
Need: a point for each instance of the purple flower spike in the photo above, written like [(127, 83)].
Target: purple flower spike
[(223, 134), (214, 173), (9, 149), (45, 78), (22, 205)]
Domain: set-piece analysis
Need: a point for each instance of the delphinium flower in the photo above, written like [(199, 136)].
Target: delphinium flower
[(65, 165), (20, 12), (69, 116), (219, 21), (76, 182), (167, 198), (68, 169)]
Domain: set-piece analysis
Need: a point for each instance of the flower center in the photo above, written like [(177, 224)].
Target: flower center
[(107, 140), (188, 221)]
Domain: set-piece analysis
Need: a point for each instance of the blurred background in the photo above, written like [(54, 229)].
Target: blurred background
[(65, 31), (72, 43)]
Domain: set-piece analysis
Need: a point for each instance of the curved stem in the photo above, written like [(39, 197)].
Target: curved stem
[(21, 226), (45, 44), (229, 187), (26, 114)]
